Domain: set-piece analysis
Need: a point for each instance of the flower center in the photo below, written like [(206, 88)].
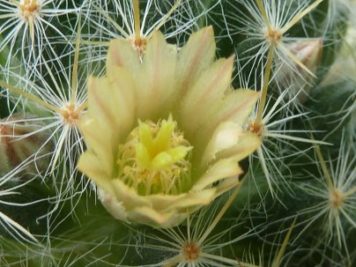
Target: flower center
[(273, 36), (154, 158), (191, 251), (336, 198), (70, 114), (29, 8)]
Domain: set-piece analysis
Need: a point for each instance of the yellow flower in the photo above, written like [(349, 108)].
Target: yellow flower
[(164, 129)]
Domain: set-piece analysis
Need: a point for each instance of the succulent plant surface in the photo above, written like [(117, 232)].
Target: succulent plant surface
[(177, 133)]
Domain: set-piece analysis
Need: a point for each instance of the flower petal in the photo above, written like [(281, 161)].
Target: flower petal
[(98, 141), (155, 78), (247, 144), (206, 92), (226, 136), (121, 53), (236, 106), (114, 207), (220, 170), (195, 56), (112, 101), (154, 218)]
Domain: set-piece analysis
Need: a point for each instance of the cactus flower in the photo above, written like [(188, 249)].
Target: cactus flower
[(164, 130)]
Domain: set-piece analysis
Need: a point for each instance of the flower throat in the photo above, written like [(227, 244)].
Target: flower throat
[(155, 158)]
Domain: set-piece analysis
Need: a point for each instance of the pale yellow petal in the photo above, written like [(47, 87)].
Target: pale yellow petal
[(226, 136), (182, 201), (155, 218), (112, 205), (227, 185), (128, 196), (91, 166), (222, 169), (247, 144), (98, 140), (122, 98), (195, 199)]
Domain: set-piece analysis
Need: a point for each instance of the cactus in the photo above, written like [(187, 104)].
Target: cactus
[(177, 133)]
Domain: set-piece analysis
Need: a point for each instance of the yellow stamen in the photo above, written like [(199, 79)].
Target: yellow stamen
[(153, 160)]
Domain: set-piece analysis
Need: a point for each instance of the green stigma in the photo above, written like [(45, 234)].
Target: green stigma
[(155, 158)]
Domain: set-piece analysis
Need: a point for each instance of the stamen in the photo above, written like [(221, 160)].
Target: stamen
[(154, 158)]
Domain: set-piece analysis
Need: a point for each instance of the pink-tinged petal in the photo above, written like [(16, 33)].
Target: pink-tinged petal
[(236, 106), (122, 54), (156, 78), (111, 101), (123, 99), (194, 58), (206, 92)]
